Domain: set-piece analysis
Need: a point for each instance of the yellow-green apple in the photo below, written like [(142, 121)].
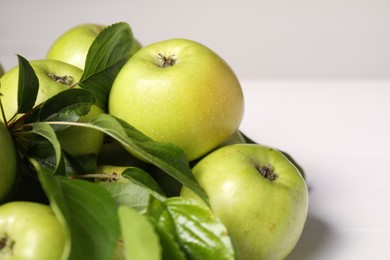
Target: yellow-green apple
[(7, 161), (258, 194), (30, 230), (73, 45), (55, 76), (179, 91)]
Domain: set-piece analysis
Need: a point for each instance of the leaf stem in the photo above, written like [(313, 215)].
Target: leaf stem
[(97, 176), (61, 123)]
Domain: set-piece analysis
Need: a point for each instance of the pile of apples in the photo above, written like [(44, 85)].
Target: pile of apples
[(114, 150)]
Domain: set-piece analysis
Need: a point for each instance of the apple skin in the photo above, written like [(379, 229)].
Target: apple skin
[(30, 230), (7, 161), (75, 140), (264, 217), (181, 92), (73, 45), (82, 141)]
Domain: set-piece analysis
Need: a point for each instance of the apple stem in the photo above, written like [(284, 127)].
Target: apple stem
[(6, 243), (267, 172), (164, 62), (66, 80)]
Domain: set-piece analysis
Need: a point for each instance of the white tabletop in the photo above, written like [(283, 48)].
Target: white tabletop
[(339, 132)]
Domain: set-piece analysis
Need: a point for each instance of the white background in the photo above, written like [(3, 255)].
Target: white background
[(260, 39), (316, 78)]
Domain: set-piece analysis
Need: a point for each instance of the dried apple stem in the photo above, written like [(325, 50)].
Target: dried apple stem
[(267, 172)]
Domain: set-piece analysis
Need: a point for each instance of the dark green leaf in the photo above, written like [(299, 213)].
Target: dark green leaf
[(200, 234), (28, 86), (43, 152), (140, 239), (88, 212), (168, 157), (67, 106), (31, 117), (82, 164), (46, 131), (106, 56)]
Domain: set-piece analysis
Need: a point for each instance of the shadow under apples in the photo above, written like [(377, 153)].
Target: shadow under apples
[(315, 235)]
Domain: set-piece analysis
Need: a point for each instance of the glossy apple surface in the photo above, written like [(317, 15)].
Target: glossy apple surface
[(258, 194), (30, 230), (7, 161), (54, 77), (73, 45), (179, 91)]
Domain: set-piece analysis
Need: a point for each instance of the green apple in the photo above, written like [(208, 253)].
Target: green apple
[(258, 194), (54, 76), (30, 230), (181, 92), (73, 45), (82, 141), (7, 161)]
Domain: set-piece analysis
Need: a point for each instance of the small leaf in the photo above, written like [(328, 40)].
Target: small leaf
[(46, 131), (140, 240), (142, 178), (106, 56), (128, 194), (198, 231), (133, 188), (88, 212), (67, 106), (28, 86), (43, 152)]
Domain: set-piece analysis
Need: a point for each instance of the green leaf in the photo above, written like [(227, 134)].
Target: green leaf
[(46, 131), (171, 248), (28, 86), (142, 178), (168, 157), (133, 189), (88, 212), (43, 152), (106, 56), (68, 106), (140, 240), (128, 194), (198, 231)]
